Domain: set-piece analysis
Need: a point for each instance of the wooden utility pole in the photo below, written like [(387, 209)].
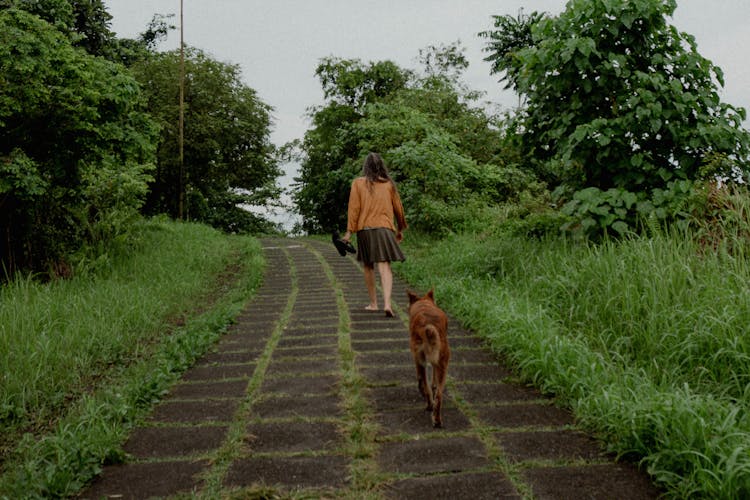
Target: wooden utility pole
[(181, 208)]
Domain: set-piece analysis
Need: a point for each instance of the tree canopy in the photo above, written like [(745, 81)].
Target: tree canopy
[(446, 153), (619, 101), (511, 34), (76, 148), (228, 157), (86, 141)]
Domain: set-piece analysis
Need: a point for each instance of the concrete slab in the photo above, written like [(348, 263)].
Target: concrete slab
[(472, 355), (495, 392), (234, 357), (329, 471), (419, 421), (592, 482), (400, 374), (549, 445), (393, 397), (292, 437), (148, 480), (308, 385), (380, 345), (163, 442), (474, 486), (219, 372), (375, 358), (302, 406), (292, 339), (302, 366), (195, 411), (432, 456), (524, 415), (477, 372), (203, 390), (307, 351)]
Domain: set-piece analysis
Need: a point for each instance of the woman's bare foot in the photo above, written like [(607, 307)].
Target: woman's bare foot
[(388, 313), (371, 307)]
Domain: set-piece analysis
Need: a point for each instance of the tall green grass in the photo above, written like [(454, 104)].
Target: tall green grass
[(81, 358), (645, 339)]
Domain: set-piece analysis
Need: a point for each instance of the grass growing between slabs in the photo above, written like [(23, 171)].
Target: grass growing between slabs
[(83, 359), (646, 340)]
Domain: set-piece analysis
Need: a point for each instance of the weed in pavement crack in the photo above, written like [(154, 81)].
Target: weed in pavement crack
[(360, 430), (233, 444)]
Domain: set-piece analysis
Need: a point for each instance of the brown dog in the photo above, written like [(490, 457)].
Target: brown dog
[(428, 329)]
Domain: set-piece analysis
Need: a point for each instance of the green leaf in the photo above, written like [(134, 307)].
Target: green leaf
[(627, 19), (588, 223), (629, 198), (620, 226)]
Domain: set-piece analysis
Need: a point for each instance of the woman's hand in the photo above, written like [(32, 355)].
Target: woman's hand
[(399, 237), (347, 236)]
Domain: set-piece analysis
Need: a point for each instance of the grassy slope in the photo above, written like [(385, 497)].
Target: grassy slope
[(645, 340), (91, 354)]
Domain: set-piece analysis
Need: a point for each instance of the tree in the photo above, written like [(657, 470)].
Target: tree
[(619, 98), (58, 13), (623, 111), (444, 63), (349, 85), (448, 158), (228, 157), (511, 34), (447, 155), (156, 31), (76, 146), (84, 22), (92, 25)]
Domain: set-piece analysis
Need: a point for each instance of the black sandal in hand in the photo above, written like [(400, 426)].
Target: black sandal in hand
[(341, 245)]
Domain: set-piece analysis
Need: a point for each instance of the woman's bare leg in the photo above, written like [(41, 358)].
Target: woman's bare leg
[(371, 290), (386, 281)]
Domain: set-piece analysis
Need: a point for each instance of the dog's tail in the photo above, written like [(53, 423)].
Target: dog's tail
[(432, 335)]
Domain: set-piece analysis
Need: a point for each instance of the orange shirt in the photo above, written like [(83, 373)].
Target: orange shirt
[(374, 207)]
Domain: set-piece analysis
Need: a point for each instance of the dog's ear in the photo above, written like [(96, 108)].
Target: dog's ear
[(431, 295), (413, 297)]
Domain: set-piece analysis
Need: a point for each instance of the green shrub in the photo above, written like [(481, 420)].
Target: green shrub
[(77, 147), (617, 211)]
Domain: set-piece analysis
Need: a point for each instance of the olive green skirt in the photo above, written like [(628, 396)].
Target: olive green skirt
[(378, 245)]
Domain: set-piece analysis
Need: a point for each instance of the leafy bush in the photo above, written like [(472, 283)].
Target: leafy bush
[(595, 212), (538, 224), (76, 146), (617, 98)]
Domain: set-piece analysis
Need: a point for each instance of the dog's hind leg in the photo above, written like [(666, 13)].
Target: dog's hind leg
[(438, 386), (423, 385)]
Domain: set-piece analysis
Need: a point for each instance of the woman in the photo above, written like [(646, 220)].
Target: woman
[(373, 204)]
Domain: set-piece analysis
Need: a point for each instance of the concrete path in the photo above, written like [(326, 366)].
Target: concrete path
[(310, 396)]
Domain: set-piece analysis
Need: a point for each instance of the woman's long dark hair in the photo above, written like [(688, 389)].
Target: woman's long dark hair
[(375, 170)]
